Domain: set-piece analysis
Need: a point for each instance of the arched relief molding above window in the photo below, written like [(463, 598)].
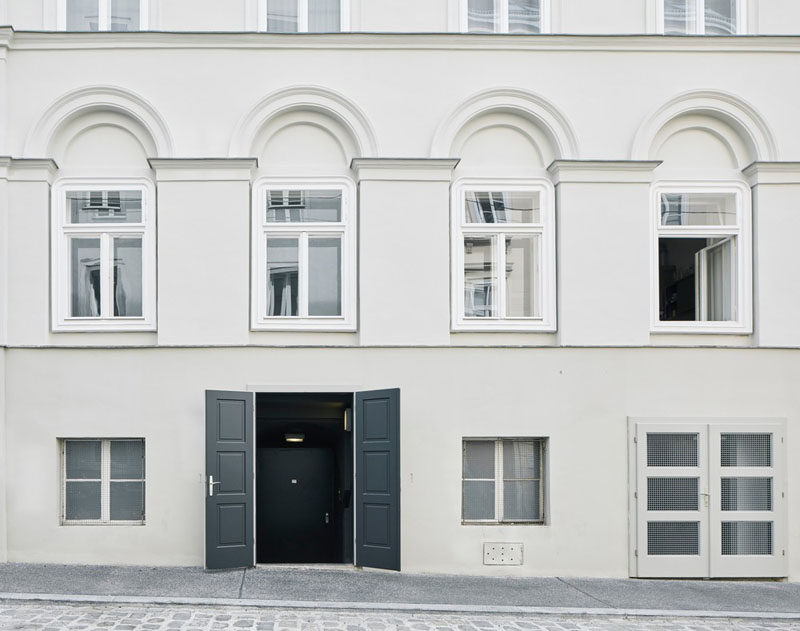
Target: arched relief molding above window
[(733, 115), (94, 105), (542, 118), (310, 105)]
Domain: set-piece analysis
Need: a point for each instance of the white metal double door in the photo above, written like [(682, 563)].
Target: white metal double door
[(710, 500)]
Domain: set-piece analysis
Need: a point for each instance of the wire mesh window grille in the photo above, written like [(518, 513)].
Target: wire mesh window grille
[(673, 538), (502, 480), (672, 494), (747, 494), (746, 537), (672, 449), (104, 481), (746, 450)]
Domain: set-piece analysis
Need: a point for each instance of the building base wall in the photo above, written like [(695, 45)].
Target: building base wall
[(580, 399)]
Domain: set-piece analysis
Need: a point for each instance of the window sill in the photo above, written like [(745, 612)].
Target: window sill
[(104, 326), (695, 328), (305, 324), (102, 523), (502, 326), (503, 523)]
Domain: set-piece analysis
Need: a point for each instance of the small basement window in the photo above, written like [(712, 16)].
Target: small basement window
[(503, 480)]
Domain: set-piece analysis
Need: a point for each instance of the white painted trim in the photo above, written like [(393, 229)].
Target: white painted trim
[(97, 97), (538, 110), (104, 9), (501, 17), (740, 115), (743, 325), (59, 257), (302, 16), (547, 229), (346, 228), (304, 98)]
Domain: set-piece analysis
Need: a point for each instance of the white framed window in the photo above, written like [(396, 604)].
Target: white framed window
[(505, 16), (304, 273), (702, 267), (702, 17), (103, 15), (103, 481), (503, 255), (304, 16), (104, 258), (503, 480)]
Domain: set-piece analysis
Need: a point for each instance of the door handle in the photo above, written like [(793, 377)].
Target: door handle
[(327, 518), (706, 497), (211, 484)]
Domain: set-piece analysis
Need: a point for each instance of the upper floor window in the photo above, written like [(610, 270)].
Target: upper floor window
[(504, 256), (504, 16), (304, 256), (103, 258), (303, 16), (102, 15), (703, 17), (702, 255)]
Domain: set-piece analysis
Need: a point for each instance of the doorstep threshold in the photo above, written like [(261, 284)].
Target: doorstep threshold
[(306, 566)]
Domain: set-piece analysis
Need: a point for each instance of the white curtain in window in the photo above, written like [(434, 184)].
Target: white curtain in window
[(324, 16)]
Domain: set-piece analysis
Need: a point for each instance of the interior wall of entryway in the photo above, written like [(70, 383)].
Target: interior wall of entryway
[(319, 417)]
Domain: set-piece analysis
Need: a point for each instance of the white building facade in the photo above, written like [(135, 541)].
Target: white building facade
[(312, 281)]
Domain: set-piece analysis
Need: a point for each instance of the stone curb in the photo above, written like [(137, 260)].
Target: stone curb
[(396, 607)]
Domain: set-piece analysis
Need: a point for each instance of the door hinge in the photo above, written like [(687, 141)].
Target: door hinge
[(636, 495), (636, 552), (783, 553), (635, 439)]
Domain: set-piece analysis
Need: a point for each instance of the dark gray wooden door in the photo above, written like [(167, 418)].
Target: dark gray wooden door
[(378, 479), (230, 425)]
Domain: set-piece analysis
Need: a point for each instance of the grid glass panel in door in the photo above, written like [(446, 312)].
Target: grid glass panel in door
[(673, 497)]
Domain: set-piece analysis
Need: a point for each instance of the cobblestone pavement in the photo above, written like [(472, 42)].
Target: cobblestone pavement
[(112, 617)]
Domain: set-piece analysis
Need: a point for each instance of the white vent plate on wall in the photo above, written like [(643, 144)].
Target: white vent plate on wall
[(502, 554)]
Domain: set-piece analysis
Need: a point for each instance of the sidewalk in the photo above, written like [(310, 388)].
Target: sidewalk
[(356, 589)]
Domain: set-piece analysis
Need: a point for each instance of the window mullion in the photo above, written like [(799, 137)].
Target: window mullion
[(501, 16), (498, 476), (104, 15), (302, 262), (105, 484), (700, 26), (501, 275), (106, 276), (302, 16)]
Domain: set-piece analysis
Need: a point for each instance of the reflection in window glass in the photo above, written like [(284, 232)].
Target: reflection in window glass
[(297, 206), (124, 15), (679, 17), (324, 16), (481, 16), (720, 17), (697, 279), (503, 207), (104, 206), (85, 277), (698, 209), (524, 16), (324, 276), (82, 15), (479, 275), (522, 276), (282, 16), (282, 276), (128, 277)]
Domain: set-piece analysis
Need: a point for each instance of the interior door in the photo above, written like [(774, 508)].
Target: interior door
[(295, 505), (377, 472), (672, 500), (230, 430)]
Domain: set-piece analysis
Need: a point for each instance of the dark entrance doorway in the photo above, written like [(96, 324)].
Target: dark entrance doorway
[(304, 478)]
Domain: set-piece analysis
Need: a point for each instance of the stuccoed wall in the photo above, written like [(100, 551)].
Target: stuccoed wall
[(579, 398)]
